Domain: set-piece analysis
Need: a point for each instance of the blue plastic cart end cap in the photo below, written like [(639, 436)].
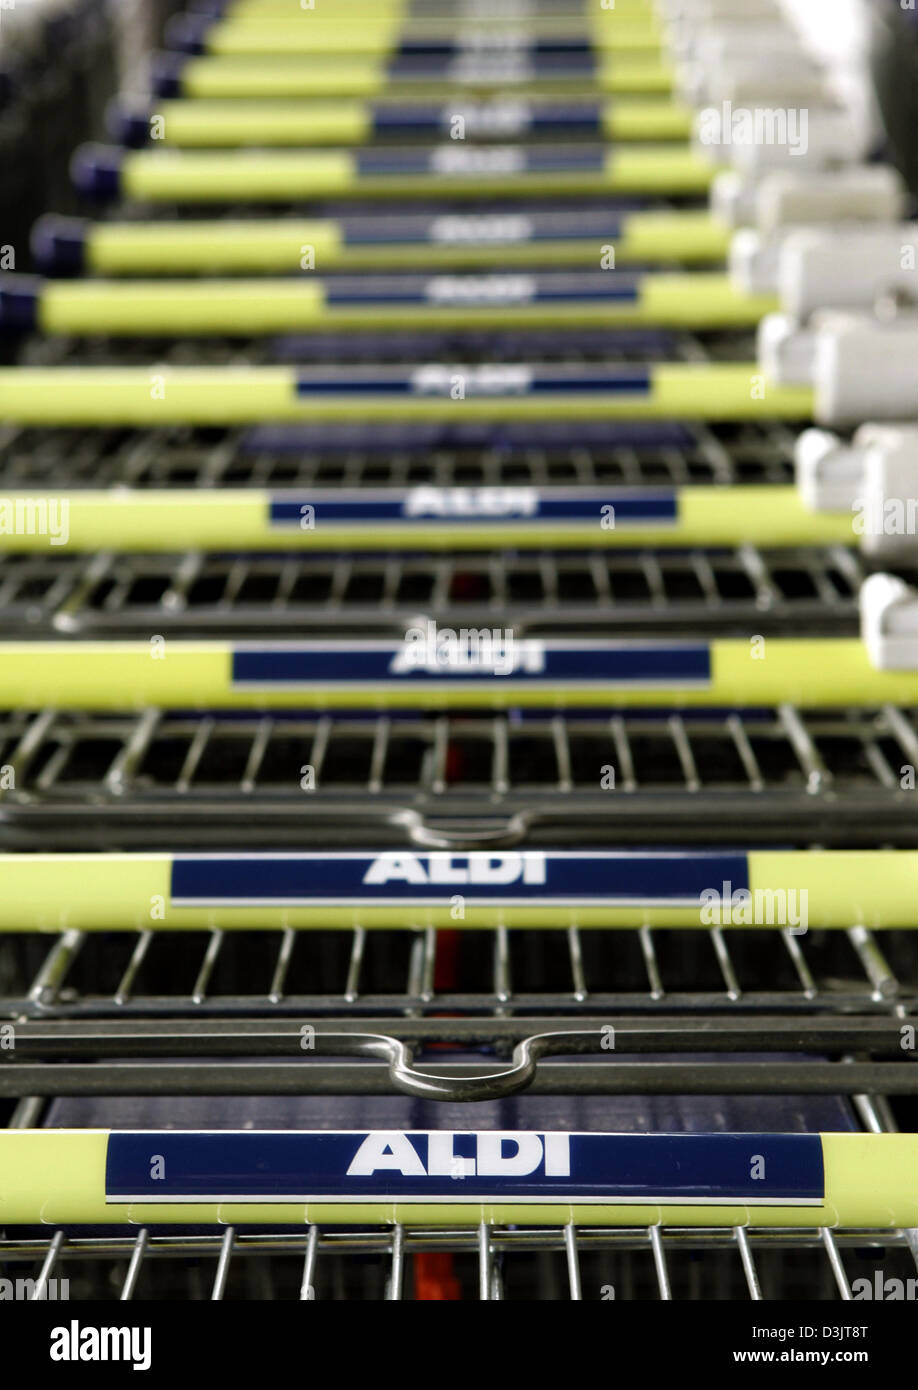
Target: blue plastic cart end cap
[(58, 244), (188, 32), (166, 74), (96, 170), (19, 296), (128, 123)]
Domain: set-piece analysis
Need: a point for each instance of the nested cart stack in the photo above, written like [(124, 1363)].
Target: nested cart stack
[(457, 761)]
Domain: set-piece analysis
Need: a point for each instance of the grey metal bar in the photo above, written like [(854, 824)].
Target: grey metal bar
[(573, 1262), (749, 1269), (223, 1265), (659, 1261), (40, 1290), (307, 1283), (397, 1270), (133, 1271)]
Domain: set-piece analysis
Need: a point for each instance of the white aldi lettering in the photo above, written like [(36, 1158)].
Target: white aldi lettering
[(483, 501), (481, 289), (498, 1154), (501, 118), (480, 869), (483, 163), (481, 227)]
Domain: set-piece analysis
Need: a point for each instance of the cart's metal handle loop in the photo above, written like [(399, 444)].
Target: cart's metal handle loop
[(493, 1086), (397, 1054), (451, 836)]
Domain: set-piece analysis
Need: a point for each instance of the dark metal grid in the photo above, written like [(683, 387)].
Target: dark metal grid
[(491, 1262), (353, 209), (561, 973), (95, 780), (726, 455), (537, 592), (754, 1054), (570, 345), (378, 457), (352, 348)]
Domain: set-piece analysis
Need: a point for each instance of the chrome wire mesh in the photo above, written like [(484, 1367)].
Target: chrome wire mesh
[(85, 780), (150, 779), (495, 973), (746, 590), (495, 1263), (535, 591)]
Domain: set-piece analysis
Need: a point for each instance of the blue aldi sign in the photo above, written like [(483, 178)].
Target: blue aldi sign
[(511, 1166)]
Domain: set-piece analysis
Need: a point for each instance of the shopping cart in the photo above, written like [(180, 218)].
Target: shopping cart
[(463, 1024)]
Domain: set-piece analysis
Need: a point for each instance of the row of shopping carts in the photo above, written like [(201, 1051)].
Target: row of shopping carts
[(459, 670)]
